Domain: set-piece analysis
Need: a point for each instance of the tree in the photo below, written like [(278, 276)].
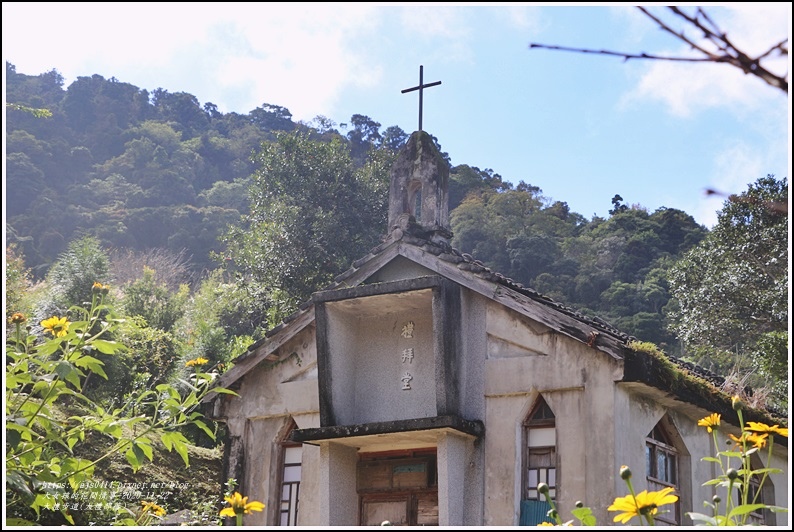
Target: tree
[(364, 136), (312, 213), (617, 206), (270, 117), (714, 46), (732, 289), (83, 263)]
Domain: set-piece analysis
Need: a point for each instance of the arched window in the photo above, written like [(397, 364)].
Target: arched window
[(415, 199), (662, 469), (540, 463), (290, 478)]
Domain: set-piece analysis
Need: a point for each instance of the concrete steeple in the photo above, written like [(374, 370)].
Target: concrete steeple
[(419, 190)]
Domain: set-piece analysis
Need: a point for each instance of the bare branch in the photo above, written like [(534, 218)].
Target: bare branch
[(625, 56), (774, 206), (726, 51)]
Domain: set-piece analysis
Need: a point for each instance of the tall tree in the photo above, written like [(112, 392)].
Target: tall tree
[(732, 289), (312, 212)]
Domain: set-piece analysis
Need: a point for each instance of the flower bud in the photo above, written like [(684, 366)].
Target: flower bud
[(732, 474), (736, 403), (543, 488), (716, 499), (579, 504), (625, 472)]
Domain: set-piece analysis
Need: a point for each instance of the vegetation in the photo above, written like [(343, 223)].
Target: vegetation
[(732, 289), (210, 228), (49, 415)]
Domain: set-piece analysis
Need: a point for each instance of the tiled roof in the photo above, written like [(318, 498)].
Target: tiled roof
[(466, 263)]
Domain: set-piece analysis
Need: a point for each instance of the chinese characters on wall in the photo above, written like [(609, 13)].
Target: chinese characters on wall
[(407, 357)]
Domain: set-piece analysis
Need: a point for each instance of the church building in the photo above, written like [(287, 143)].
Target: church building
[(422, 388)]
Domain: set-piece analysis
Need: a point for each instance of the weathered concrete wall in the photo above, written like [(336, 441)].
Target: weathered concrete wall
[(526, 359), (472, 404), (276, 390), (269, 397), (261, 465), (338, 496), (451, 478), (369, 357), (398, 269), (638, 409)]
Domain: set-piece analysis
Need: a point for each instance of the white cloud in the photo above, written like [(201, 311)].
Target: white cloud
[(300, 56), (686, 88), (434, 21), (520, 16), (735, 167)]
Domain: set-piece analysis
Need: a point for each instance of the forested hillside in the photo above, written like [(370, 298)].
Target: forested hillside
[(159, 172), (204, 229)]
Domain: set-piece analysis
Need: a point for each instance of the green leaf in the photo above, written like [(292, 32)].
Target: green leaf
[(134, 458), (69, 373), (181, 448), (13, 437), (16, 482), (145, 448), (768, 470), (203, 426), (702, 518), (48, 348), (107, 347), (711, 459), (585, 515), (731, 454), (179, 443), (112, 428), (745, 509), (219, 389), (91, 364), (78, 470)]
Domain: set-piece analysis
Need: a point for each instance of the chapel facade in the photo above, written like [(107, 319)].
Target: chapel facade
[(422, 388)]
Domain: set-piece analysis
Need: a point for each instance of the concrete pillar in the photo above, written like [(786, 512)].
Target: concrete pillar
[(451, 462), (337, 490)]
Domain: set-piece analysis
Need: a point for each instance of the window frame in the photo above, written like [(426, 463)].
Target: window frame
[(540, 417), (658, 442), (292, 510)]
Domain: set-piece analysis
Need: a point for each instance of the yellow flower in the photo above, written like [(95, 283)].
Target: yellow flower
[(196, 362), (710, 422), (757, 440), (763, 428), (240, 505), (56, 326), (152, 507), (17, 317), (647, 503), (546, 523)]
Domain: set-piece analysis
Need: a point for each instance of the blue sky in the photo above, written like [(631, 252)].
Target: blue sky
[(581, 127)]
